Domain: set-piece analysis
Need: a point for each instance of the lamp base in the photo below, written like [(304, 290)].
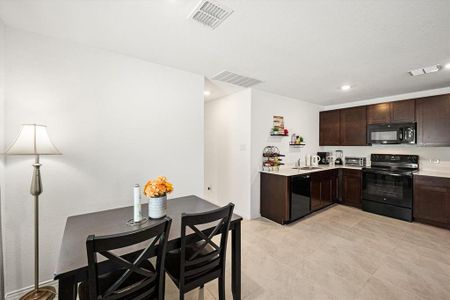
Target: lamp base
[(44, 292)]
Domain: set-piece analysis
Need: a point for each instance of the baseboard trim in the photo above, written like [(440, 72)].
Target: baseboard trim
[(15, 295)]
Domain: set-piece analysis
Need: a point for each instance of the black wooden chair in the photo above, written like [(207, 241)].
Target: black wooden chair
[(130, 276), (199, 259)]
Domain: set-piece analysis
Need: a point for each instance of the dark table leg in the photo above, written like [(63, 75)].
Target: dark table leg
[(236, 261), (67, 289)]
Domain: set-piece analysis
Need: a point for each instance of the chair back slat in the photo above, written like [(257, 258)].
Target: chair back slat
[(197, 234), (151, 281)]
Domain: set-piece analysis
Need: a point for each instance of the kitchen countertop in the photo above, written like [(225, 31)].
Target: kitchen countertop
[(290, 171), (436, 173)]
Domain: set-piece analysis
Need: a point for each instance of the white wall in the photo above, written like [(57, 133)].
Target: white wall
[(426, 154), (2, 145), (227, 151), (117, 120), (300, 117)]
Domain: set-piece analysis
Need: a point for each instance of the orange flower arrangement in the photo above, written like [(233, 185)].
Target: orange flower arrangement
[(158, 187)]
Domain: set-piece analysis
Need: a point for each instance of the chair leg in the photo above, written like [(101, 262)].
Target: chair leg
[(221, 288), (181, 295)]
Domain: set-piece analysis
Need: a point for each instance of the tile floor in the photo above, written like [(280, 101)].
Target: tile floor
[(340, 253)]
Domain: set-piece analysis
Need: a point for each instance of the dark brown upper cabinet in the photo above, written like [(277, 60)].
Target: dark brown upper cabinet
[(348, 126), (353, 125), (391, 112), (329, 134), (433, 120), (403, 111), (379, 113)]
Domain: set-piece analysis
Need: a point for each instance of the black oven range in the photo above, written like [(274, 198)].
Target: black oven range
[(388, 185)]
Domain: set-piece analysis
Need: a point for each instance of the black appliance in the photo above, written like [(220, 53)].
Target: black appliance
[(324, 157), (401, 133), (300, 197), (388, 185)]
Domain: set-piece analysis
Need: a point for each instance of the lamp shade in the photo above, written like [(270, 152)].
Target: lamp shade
[(32, 140)]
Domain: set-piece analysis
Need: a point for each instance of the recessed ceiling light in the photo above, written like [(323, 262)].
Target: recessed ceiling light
[(346, 87), (206, 93), (447, 66)]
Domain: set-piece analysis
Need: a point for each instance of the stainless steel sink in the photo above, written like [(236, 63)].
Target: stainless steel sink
[(306, 168)]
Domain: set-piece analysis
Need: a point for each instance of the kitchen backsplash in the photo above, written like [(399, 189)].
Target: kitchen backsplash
[(428, 156)]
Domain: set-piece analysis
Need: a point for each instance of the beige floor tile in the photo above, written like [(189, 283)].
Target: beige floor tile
[(424, 282), (376, 289), (423, 252), (339, 253), (338, 278)]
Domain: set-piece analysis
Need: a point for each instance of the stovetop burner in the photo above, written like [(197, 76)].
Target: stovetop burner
[(397, 163)]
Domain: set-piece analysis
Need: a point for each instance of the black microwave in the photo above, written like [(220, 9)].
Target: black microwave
[(401, 133)]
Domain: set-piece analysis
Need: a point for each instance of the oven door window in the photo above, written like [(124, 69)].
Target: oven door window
[(390, 189)]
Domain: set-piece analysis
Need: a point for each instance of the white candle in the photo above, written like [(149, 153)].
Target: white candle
[(137, 217)]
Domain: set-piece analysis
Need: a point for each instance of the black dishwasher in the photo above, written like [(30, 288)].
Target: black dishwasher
[(300, 197)]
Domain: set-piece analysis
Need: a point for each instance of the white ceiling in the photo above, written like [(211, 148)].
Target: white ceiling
[(218, 89), (302, 49)]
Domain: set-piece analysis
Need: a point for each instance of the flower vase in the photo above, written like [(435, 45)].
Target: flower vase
[(157, 207)]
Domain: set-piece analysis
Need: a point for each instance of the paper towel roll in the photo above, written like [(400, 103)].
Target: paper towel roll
[(137, 216)]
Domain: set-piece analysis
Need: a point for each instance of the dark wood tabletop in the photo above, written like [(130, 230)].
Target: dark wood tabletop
[(72, 261)]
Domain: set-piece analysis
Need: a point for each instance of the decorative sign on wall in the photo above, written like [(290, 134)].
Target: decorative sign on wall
[(278, 123), (278, 127)]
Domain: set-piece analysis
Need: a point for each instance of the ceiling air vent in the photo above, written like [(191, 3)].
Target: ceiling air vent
[(236, 79), (210, 13), (425, 70)]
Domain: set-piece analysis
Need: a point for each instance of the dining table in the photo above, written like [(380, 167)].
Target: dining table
[(72, 265)]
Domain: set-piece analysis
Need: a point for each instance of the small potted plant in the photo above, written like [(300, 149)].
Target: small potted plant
[(156, 190)]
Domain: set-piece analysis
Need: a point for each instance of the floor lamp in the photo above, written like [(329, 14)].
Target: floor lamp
[(33, 140)]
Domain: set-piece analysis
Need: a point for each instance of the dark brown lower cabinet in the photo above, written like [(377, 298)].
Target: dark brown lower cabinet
[(275, 197), (351, 187), (432, 200), (276, 194), (431, 195), (324, 185)]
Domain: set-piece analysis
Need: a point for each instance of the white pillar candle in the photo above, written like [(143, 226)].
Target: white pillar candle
[(137, 216)]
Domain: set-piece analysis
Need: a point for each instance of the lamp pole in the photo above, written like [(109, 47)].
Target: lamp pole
[(36, 190), (46, 292)]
